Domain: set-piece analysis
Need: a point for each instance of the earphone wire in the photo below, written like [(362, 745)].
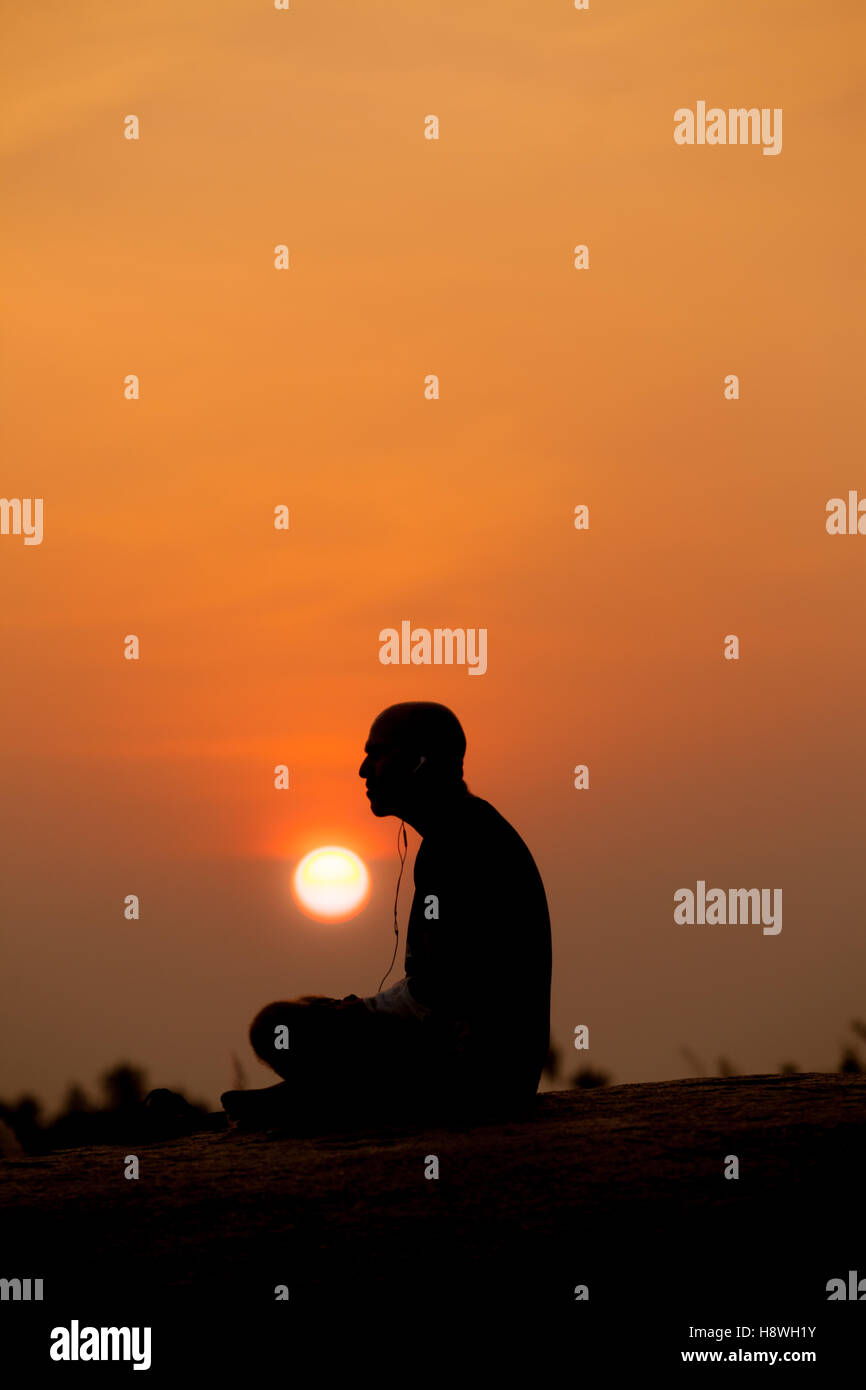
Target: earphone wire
[(401, 831)]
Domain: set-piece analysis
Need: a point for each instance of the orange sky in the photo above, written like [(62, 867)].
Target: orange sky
[(411, 257)]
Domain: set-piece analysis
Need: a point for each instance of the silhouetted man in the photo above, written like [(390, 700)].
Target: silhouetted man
[(466, 1031)]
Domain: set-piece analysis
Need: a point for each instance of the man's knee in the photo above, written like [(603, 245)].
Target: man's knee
[(308, 1021), (265, 1030)]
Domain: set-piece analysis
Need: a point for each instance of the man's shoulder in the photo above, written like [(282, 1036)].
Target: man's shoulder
[(485, 815), (477, 828)]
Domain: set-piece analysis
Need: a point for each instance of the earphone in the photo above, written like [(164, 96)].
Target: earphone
[(402, 853), (401, 833)]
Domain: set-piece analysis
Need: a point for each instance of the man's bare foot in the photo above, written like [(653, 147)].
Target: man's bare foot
[(258, 1109), (168, 1115)]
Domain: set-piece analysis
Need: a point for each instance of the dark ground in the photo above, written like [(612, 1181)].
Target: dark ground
[(619, 1188)]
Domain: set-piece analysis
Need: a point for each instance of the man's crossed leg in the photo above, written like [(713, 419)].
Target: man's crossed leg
[(341, 1064)]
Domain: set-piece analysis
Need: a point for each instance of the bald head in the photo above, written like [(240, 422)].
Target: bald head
[(432, 731), (415, 750)]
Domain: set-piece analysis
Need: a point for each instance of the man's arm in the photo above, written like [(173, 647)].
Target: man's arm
[(397, 1000)]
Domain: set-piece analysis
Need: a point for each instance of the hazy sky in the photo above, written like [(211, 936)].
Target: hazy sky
[(306, 387)]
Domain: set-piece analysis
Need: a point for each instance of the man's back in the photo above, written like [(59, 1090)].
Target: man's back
[(478, 946)]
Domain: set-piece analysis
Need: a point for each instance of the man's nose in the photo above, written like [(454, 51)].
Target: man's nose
[(362, 770)]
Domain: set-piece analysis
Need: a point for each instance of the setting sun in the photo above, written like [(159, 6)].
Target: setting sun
[(331, 883)]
